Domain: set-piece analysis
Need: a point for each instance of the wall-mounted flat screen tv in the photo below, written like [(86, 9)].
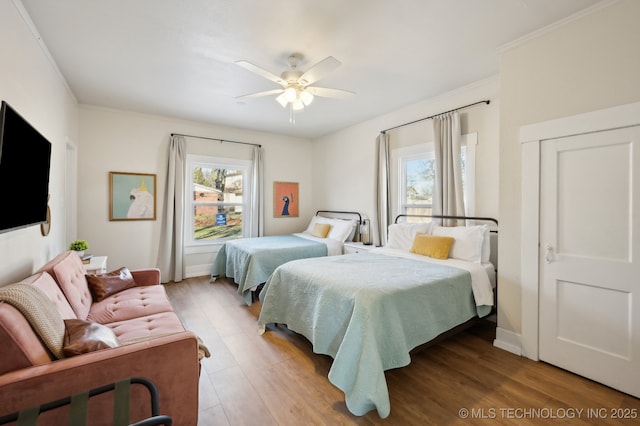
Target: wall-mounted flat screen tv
[(25, 157)]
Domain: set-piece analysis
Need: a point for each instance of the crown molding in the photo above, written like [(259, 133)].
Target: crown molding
[(43, 47), (554, 26)]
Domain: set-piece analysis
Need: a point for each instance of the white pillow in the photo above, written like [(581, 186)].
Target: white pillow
[(314, 220), (486, 246), (352, 234), (401, 235), (341, 229), (469, 241)]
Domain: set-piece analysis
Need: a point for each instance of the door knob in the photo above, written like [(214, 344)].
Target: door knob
[(548, 253)]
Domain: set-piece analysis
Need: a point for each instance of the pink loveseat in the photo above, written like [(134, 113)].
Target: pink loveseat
[(153, 345)]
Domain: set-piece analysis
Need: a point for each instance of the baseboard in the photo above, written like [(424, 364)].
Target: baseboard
[(198, 270), (508, 341)]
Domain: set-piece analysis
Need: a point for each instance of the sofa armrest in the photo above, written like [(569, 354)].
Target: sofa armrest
[(170, 362), (147, 276)]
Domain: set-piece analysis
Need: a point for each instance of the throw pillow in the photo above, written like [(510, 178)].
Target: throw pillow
[(82, 336), (433, 246), (104, 285), (321, 230)]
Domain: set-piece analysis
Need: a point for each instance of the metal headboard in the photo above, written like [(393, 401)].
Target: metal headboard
[(341, 212), (361, 221), (439, 216), (494, 243)]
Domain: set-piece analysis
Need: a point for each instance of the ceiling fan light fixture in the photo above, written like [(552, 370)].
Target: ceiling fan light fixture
[(306, 97), (297, 105), (290, 94), (296, 90), (282, 101)]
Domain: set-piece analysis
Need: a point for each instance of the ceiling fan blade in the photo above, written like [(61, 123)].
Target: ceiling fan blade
[(261, 72), (319, 70), (257, 95), (330, 93)]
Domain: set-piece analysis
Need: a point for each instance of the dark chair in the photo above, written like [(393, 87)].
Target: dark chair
[(79, 404)]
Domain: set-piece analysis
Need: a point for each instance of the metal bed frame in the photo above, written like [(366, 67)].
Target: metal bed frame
[(466, 218), (361, 221), (474, 320)]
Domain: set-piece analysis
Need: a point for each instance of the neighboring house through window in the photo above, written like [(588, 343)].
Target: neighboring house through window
[(217, 191)]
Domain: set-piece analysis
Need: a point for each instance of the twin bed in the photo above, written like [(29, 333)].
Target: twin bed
[(250, 261), (368, 311)]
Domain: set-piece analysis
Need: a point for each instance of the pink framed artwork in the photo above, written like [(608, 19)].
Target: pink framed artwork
[(285, 199)]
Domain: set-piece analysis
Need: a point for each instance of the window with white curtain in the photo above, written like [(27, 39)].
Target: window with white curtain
[(416, 176), (216, 198)]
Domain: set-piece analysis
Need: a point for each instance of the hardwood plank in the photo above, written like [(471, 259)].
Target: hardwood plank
[(213, 416), (241, 402), (277, 379), (207, 396)]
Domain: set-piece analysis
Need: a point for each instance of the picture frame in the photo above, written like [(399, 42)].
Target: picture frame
[(132, 196), (286, 202)]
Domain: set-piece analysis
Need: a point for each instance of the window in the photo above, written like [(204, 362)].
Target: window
[(416, 176), (417, 180), (216, 199)]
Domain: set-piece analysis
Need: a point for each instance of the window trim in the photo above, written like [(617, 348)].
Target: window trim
[(210, 161)]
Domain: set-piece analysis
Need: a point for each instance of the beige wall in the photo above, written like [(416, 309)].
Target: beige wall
[(108, 140), (588, 64), (114, 140), (340, 176), (344, 162), (31, 85)]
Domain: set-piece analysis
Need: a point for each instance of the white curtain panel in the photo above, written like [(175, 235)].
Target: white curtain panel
[(255, 215), (171, 250), (383, 202), (448, 196)]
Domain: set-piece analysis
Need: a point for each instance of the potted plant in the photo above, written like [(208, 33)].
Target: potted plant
[(79, 246)]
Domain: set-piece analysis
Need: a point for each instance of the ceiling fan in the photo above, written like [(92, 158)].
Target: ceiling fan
[(297, 90)]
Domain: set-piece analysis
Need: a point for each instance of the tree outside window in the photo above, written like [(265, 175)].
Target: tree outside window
[(418, 183)]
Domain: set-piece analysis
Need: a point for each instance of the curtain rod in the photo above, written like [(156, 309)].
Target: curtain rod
[(435, 115), (216, 139)]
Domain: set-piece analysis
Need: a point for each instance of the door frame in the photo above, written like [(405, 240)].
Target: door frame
[(531, 138), (71, 190)]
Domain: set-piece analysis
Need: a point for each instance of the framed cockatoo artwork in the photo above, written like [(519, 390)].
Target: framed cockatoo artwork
[(285, 199), (132, 196)]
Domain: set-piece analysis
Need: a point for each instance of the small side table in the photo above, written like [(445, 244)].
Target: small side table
[(98, 265), (356, 247)]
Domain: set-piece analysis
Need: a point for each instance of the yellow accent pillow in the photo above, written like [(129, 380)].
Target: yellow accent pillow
[(432, 245), (321, 230)]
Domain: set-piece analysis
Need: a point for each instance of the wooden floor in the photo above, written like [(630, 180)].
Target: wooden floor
[(276, 379)]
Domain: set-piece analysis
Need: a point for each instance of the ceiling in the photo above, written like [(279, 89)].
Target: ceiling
[(177, 58)]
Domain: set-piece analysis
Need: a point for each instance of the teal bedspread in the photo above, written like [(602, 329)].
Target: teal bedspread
[(250, 261), (367, 311)]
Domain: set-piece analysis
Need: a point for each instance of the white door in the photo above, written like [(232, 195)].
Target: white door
[(590, 256)]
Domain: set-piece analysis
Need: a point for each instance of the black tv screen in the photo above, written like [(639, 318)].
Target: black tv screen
[(25, 157)]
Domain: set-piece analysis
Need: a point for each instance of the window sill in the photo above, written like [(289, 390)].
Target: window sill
[(202, 248)]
